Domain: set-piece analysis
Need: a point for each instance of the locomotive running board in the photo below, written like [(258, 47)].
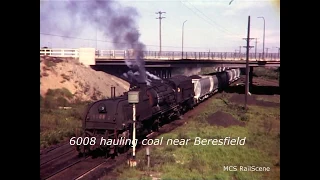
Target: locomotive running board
[(149, 135)]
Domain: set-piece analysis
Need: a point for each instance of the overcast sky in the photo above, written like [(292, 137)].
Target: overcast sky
[(215, 25)]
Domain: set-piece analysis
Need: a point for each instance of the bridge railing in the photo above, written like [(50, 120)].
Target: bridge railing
[(164, 55), (214, 55), (59, 52)]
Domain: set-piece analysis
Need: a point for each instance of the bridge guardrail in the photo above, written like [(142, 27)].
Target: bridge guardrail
[(165, 55), (59, 52)]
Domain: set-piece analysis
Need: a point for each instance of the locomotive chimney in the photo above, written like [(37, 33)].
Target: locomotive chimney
[(113, 92), (142, 85)]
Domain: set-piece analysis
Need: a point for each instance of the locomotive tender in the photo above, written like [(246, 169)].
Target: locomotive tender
[(159, 103)]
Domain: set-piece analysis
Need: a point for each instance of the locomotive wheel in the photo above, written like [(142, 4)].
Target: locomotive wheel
[(83, 150), (124, 149), (87, 150), (107, 155), (155, 126), (113, 151)]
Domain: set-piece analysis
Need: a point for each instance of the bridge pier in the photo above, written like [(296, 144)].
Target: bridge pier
[(166, 73), (118, 71), (251, 76), (162, 73)]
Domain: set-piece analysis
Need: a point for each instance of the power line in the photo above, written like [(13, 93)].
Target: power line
[(222, 29), (69, 37), (169, 21), (210, 1)]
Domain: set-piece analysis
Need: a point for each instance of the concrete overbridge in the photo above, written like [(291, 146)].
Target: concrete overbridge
[(166, 63)]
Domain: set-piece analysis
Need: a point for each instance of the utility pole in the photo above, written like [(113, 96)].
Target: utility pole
[(264, 32), (160, 27), (239, 52), (235, 54), (182, 38), (247, 64), (255, 52), (278, 52), (247, 40), (267, 51)]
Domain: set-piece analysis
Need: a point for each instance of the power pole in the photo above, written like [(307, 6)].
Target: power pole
[(255, 52), (239, 52), (278, 52), (235, 54), (267, 52), (249, 40), (247, 63), (160, 27)]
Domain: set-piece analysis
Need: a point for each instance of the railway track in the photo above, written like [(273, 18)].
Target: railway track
[(59, 164), (47, 150), (55, 153), (76, 168)]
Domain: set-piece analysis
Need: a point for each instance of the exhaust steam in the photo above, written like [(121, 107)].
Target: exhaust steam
[(113, 19)]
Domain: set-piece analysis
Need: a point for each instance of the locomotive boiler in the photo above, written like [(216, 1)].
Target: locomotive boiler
[(158, 103)]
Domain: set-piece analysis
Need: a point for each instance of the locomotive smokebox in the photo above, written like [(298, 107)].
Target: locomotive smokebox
[(113, 92), (142, 85)]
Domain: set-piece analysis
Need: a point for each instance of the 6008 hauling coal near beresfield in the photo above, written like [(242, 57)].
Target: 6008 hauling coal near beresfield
[(159, 102)]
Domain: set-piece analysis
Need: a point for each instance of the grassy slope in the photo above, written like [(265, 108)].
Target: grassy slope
[(271, 73), (262, 147), (56, 124)]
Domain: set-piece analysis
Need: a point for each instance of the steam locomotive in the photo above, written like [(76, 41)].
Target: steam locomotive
[(111, 120)]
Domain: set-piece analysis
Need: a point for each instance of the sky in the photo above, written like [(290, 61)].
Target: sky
[(212, 25)]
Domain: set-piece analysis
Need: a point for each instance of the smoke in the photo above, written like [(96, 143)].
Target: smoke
[(114, 20), (152, 76), (191, 71)]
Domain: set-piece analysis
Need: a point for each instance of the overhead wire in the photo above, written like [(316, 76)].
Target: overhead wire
[(87, 39), (222, 29), (206, 20), (212, 21)]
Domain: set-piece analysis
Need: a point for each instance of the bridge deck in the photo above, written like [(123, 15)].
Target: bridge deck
[(167, 58), (192, 63)]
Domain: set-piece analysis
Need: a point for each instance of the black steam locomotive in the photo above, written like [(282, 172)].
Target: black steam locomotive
[(162, 101)]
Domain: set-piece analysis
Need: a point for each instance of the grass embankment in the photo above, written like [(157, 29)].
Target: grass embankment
[(58, 124), (261, 148), (267, 73)]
